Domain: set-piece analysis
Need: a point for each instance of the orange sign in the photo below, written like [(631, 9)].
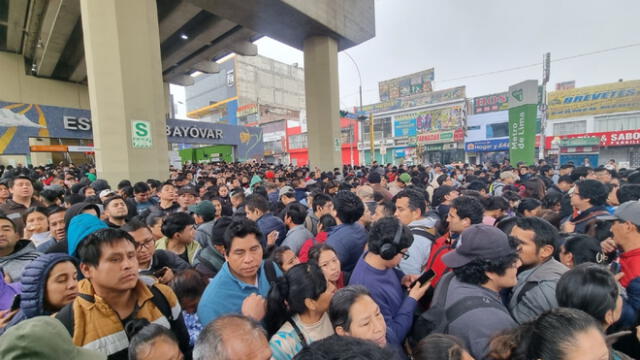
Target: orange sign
[(48, 148)]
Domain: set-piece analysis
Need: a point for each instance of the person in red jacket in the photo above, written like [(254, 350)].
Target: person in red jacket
[(464, 212)]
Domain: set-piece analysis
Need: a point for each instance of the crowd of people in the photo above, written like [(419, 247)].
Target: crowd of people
[(258, 261)]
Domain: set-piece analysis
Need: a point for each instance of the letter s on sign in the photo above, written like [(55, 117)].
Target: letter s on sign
[(141, 129)]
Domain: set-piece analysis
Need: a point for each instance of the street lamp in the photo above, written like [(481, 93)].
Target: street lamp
[(361, 117)]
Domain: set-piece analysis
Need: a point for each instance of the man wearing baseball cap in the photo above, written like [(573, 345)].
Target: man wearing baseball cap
[(626, 234), (484, 263)]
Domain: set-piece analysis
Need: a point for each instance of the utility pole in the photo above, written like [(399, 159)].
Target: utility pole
[(371, 139), (546, 69)]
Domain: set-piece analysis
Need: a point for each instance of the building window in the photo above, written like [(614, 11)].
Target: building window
[(381, 128), (346, 135), (299, 141), (617, 122), (274, 147), (497, 130), (570, 127)]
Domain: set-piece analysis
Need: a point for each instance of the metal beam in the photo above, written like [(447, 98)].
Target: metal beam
[(67, 14), (208, 53), (16, 24), (181, 50), (37, 9), (180, 15), (79, 72)]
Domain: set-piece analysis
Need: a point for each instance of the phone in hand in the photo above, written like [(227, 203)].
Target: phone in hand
[(15, 305), (160, 273), (424, 278)]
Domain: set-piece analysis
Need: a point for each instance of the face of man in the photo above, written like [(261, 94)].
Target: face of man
[(89, 192), (603, 176), (117, 209), (528, 252), (141, 197), (456, 224), (451, 196), (186, 200), (56, 225), (8, 237), (70, 180), (245, 258), (325, 209), (22, 188), (167, 193), (117, 268), (509, 279), (577, 201), (404, 213), (145, 245)]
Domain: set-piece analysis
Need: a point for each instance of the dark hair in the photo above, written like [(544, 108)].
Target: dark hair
[(580, 172), (13, 224), (327, 221), (341, 304), (256, 202), (153, 218), (552, 199), (34, 209), (54, 210), (337, 347), (468, 207), (383, 232), (477, 185), (495, 203), (123, 183), (628, 192), (111, 198), (442, 178), (416, 200), (439, 346), (297, 212), (506, 224), (90, 249), (316, 250), (511, 195), (388, 206), (320, 200), (439, 193), (534, 188), (286, 298), (583, 248), (528, 204), (188, 284), (18, 177), (277, 253), (146, 337), (159, 189), (348, 206), (133, 225), (175, 223), (546, 337), (566, 178), (240, 228), (593, 190), (545, 233), (219, 227), (140, 187)]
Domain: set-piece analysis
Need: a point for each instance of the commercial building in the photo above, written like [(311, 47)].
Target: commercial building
[(297, 143), (415, 124)]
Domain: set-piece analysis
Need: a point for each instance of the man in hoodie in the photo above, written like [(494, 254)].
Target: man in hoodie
[(15, 253), (410, 210)]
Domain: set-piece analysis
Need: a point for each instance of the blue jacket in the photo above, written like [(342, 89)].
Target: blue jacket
[(268, 223), (34, 279), (631, 307), (225, 293), (348, 240)]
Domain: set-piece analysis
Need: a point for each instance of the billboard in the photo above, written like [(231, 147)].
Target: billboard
[(407, 85), (435, 97), (490, 103), (593, 100), (404, 125), (523, 100)]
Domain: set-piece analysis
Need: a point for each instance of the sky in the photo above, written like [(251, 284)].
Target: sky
[(460, 38), (463, 38)]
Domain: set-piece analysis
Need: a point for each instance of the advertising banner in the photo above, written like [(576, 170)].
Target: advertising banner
[(404, 126), (435, 97), (611, 138), (592, 100), (523, 100), (441, 137), (489, 103), (487, 145), (411, 84)]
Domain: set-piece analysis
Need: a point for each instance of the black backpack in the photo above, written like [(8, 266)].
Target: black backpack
[(437, 319)]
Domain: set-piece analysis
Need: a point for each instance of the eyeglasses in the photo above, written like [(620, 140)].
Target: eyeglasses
[(405, 254), (145, 244)]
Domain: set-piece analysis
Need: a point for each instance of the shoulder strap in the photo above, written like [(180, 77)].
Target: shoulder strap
[(467, 304), (592, 215), (422, 231), (65, 316), (303, 341), (528, 286), (161, 302), (270, 271)]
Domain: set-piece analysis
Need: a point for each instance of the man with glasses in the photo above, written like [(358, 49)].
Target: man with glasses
[(389, 243), (153, 264), (589, 198)]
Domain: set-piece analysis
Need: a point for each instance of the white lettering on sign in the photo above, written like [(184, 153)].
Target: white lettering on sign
[(194, 132), (76, 123)]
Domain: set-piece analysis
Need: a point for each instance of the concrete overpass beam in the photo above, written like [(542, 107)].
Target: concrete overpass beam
[(67, 15), (16, 24), (244, 48), (207, 67)]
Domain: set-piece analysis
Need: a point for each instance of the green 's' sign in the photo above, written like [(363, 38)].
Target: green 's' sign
[(141, 134)]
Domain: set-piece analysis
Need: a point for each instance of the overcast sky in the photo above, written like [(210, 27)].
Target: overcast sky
[(467, 37)]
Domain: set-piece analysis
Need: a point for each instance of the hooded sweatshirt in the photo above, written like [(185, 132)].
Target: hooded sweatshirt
[(34, 279), (14, 263)]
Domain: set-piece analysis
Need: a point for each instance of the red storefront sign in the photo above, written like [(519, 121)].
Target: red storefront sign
[(611, 138), (441, 137)]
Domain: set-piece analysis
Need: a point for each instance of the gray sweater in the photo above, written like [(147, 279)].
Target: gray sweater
[(14, 263)]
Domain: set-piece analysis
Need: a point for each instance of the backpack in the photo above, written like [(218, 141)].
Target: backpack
[(66, 317), (437, 319)]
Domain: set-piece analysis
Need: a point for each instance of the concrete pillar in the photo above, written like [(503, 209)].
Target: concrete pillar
[(323, 101), (122, 51)]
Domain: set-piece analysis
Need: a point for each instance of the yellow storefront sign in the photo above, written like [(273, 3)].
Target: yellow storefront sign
[(593, 100)]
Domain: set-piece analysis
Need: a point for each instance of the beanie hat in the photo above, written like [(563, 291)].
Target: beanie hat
[(405, 178), (80, 227)]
